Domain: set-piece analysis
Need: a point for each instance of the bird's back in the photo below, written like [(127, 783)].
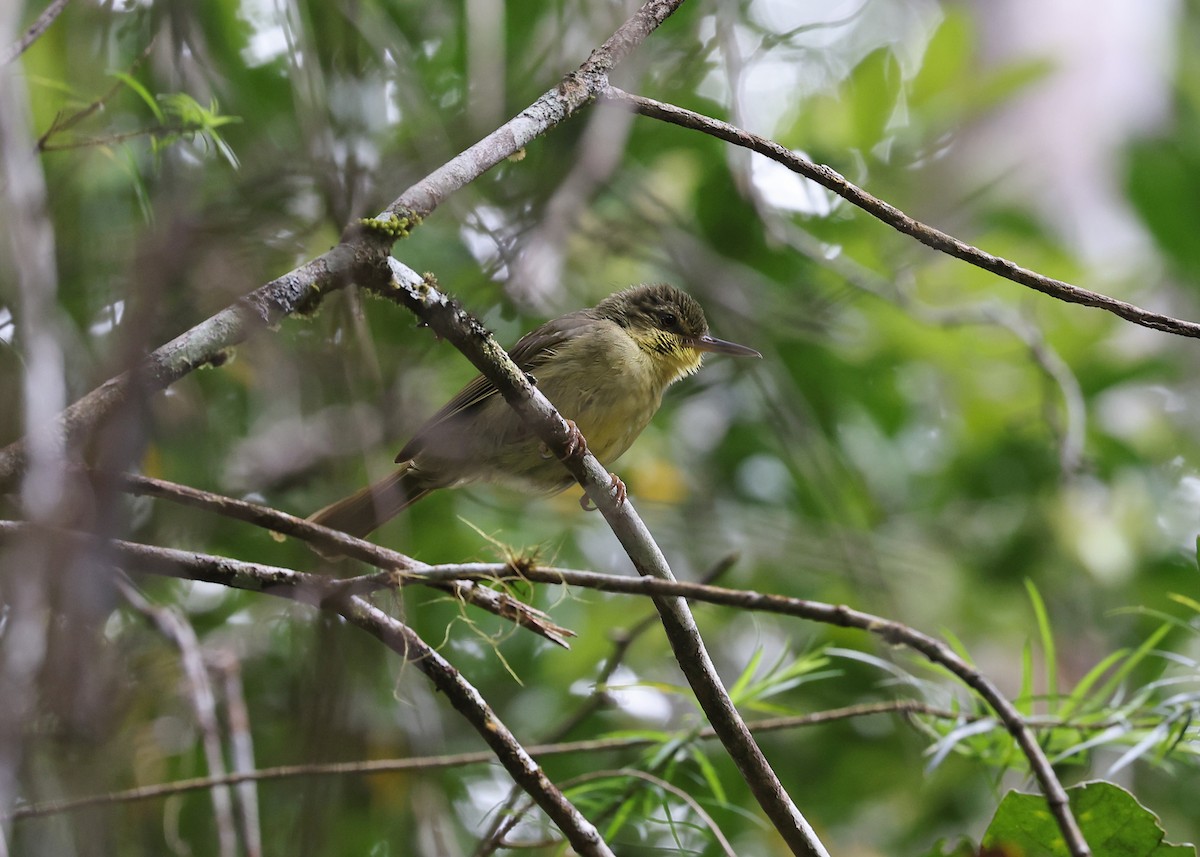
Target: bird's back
[(588, 367)]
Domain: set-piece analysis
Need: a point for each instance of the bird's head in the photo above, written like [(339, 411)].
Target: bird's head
[(668, 325)]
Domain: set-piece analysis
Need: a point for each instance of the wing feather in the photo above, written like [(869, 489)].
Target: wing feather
[(533, 349)]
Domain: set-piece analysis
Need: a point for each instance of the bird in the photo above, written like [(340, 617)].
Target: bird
[(604, 368)]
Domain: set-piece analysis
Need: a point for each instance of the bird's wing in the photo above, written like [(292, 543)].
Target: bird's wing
[(533, 349)]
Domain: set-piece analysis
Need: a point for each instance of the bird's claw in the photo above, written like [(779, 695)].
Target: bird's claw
[(576, 445), (618, 490)]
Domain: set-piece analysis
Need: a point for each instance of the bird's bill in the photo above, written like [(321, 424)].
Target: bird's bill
[(720, 346)]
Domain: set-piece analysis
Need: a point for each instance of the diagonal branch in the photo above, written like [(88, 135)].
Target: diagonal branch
[(362, 250), (583, 836), (465, 591), (622, 641), (577, 89), (34, 31), (451, 322), (897, 219), (895, 633), (324, 592), (340, 597)]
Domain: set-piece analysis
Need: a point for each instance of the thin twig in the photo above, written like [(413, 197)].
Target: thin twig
[(451, 322), (458, 760), (313, 589), (63, 122), (622, 641), (176, 628), (468, 592), (908, 708), (35, 30), (332, 595), (897, 219), (120, 137), (310, 588), (895, 633), (670, 788), (574, 91), (241, 745), (359, 255), (581, 833), (1071, 433)]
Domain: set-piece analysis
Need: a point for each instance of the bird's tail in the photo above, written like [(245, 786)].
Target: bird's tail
[(371, 507)]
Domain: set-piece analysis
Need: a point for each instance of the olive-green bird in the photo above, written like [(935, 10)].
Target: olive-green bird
[(605, 368)]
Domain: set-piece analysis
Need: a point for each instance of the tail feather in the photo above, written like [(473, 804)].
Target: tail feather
[(370, 508)]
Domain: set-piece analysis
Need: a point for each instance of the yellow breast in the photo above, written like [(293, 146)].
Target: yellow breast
[(612, 384)]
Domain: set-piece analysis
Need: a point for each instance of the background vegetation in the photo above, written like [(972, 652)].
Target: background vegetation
[(923, 440)]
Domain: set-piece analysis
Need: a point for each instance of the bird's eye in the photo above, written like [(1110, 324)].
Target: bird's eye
[(668, 320)]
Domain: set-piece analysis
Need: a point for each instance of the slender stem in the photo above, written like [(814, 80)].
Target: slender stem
[(451, 322), (34, 31), (322, 591), (580, 832), (173, 625), (361, 252), (892, 632), (897, 219), (459, 760), (339, 596)]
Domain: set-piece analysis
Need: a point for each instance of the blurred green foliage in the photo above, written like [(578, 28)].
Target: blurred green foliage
[(921, 441)]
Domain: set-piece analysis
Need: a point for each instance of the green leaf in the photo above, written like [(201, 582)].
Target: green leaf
[(1112, 821), (1024, 700), (1049, 655), (947, 57), (737, 692), (1133, 660), (1079, 695), (141, 91), (1191, 603), (711, 777), (872, 92)]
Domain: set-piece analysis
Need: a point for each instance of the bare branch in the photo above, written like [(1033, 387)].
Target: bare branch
[(574, 91), (895, 633), (339, 597), (459, 760), (465, 591), (35, 30), (176, 628), (477, 345), (897, 219), (27, 228), (583, 836), (241, 745), (622, 641), (361, 252), (203, 345)]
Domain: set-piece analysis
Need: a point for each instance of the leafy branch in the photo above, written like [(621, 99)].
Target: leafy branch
[(180, 117)]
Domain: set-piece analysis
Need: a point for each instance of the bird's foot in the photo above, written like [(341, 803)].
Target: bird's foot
[(618, 489), (619, 494), (576, 445)]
